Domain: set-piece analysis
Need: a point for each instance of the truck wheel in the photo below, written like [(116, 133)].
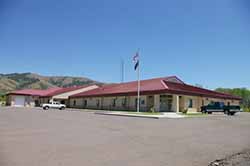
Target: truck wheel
[(232, 113), (226, 112), (46, 108), (209, 112), (62, 108)]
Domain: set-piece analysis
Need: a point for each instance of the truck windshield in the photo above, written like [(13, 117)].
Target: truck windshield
[(221, 104), (217, 104)]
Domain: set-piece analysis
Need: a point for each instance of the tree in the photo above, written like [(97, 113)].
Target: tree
[(244, 93), (2, 97)]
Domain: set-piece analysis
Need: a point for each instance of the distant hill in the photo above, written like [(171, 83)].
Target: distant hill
[(15, 81)]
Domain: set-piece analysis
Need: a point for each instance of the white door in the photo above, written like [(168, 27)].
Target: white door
[(19, 101)]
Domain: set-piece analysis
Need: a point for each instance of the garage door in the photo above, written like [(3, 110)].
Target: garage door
[(19, 101)]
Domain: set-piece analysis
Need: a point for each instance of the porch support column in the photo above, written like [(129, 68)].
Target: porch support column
[(176, 103), (157, 103)]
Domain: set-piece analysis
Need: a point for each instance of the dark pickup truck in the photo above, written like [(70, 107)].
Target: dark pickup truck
[(220, 107)]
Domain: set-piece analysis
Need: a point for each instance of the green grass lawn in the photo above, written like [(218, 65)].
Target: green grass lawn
[(160, 113), (199, 114), (127, 112), (142, 113)]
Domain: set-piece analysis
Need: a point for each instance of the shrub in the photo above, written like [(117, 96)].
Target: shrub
[(152, 109), (184, 111), (246, 109), (2, 97), (2, 103)]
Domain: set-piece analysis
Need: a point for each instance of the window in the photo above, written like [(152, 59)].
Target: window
[(124, 102), (142, 102), (85, 103), (221, 104), (166, 103), (190, 103), (36, 103), (136, 102), (97, 102), (114, 103)]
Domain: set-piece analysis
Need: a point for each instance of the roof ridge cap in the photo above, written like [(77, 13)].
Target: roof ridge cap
[(164, 84), (173, 76)]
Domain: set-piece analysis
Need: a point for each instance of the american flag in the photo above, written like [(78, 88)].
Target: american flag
[(136, 60)]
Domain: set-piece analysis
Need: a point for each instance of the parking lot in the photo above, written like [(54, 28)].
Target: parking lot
[(33, 137)]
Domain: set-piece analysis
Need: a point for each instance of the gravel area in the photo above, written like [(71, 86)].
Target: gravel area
[(238, 159), (33, 137)]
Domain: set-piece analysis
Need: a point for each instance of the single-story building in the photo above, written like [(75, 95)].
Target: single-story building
[(62, 95), (27, 97), (33, 97), (166, 94)]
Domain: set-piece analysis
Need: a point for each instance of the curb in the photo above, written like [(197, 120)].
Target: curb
[(126, 115)]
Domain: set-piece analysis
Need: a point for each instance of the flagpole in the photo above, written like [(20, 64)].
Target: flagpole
[(138, 87)]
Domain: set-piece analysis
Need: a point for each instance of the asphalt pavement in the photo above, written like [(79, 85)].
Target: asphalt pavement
[(33, 137)]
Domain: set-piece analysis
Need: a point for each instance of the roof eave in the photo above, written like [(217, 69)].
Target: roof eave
[(155, 92)]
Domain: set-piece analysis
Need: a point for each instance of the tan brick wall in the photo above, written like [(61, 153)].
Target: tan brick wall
[(197, 102), (29, 100), (45, 100), (78, 103), (106, 103)]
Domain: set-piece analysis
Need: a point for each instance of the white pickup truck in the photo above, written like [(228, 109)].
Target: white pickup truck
[(55, 105)]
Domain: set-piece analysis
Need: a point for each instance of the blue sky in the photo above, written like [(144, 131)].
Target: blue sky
[(203, 42)]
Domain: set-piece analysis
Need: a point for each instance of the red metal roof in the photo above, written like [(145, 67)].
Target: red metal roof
[(196, 91), (34, 92), (65, 90), (46, 93), (171, 85)]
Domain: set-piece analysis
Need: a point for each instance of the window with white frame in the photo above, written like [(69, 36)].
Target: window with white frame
[(85, 103), (114, 103), (190, 103), (142, 101), (124, 102), (97, 102)]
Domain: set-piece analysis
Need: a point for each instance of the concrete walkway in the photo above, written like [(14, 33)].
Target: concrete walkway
[(141, 115)]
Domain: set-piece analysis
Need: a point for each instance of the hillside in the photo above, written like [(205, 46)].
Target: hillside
[(14, 81)]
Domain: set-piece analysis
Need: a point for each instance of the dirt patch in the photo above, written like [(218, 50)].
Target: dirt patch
[(238, 159)]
